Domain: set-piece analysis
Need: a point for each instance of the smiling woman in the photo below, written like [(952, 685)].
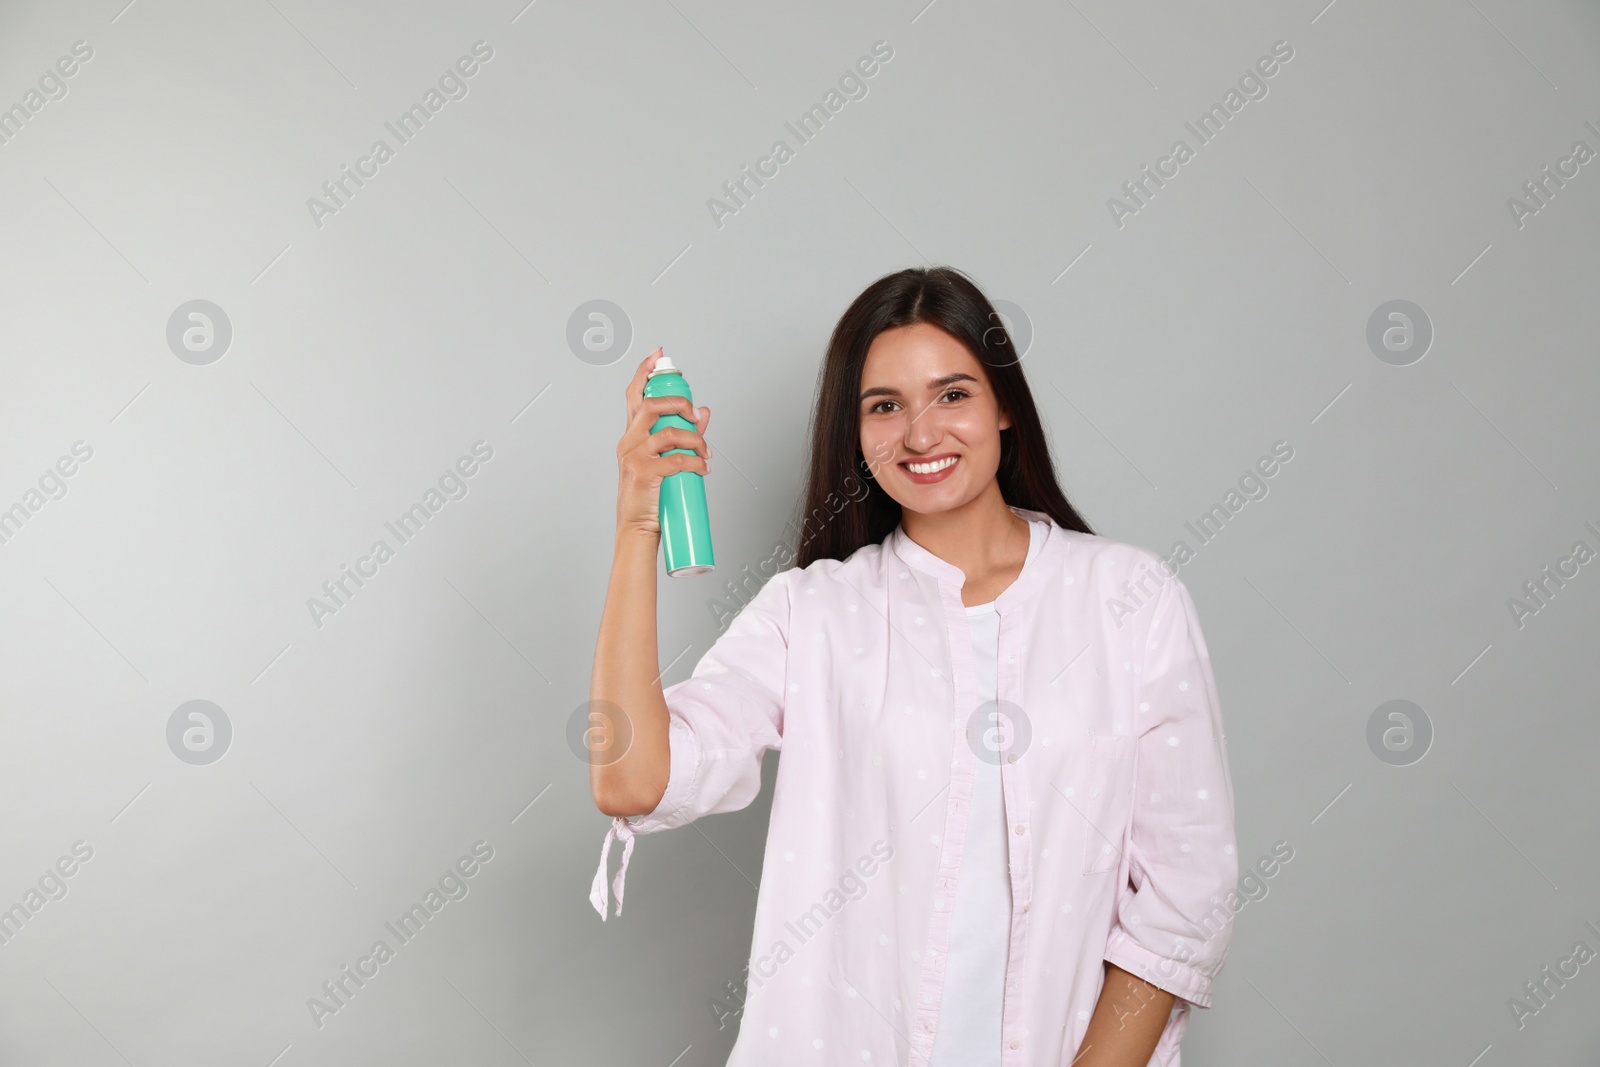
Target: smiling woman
[(1049, 833), (903, 382)]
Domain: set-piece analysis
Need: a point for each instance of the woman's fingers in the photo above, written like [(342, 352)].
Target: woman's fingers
[(635, 387)]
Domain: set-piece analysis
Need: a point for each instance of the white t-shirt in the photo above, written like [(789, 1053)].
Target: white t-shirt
[(980, 927)]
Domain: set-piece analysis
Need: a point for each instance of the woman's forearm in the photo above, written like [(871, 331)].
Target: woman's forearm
[(629, 760), (1127, 1022)]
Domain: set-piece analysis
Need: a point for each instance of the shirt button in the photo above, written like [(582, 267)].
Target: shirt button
[(1016, 1044), (1019, 828), (1026, 904)]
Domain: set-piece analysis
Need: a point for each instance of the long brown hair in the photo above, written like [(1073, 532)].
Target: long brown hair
[(843, 509)]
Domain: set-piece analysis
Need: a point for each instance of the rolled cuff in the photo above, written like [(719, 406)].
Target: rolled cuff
[(1176, 977), (683, 768)]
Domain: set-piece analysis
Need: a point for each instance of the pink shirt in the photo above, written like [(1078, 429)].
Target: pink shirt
[(1116, 786)]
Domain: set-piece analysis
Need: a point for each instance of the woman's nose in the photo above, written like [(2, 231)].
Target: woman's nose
[(923, 431)]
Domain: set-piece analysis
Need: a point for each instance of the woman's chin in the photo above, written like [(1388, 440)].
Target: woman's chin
[(931, 499)]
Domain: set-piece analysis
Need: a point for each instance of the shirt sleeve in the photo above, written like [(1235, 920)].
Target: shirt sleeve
[(721, 721), (1173, 920)]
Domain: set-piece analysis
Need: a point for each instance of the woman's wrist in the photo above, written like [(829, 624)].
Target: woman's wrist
[(629, 534)]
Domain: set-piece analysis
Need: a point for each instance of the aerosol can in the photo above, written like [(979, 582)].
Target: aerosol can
[(685, 524)]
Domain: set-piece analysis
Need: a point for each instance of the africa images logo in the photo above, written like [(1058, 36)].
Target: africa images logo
[(810, 123), (453, 885), (339, 190), (1252, 86)]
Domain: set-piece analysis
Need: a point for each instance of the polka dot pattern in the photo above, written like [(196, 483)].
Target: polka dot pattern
[(858, 675)]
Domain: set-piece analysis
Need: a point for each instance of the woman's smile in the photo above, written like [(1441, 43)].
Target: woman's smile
[(930, 470)]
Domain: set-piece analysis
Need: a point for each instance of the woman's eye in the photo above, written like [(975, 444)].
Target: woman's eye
[(874, 409)]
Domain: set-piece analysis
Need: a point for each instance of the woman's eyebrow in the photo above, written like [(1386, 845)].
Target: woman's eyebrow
[(937, 383)]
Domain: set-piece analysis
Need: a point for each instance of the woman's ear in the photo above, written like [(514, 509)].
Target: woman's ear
[(1005, 420)]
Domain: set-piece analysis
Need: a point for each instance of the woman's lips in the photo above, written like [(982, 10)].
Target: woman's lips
[(929, 479)]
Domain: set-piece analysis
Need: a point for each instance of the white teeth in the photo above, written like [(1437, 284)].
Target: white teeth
[(929, 468)]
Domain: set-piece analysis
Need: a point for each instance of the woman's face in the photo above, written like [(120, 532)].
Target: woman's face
[(926, 400)]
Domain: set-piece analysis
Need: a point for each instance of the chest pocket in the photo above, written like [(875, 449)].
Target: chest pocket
[(1107, 802)]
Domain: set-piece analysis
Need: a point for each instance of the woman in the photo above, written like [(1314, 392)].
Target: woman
[(1003, 820)]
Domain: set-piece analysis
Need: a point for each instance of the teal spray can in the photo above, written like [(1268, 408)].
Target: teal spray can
[(685, 523)]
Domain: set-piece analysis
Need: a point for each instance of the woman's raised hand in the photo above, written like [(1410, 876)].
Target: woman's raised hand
[(641, 467)]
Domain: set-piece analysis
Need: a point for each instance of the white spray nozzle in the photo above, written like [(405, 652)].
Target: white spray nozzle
[(663, 365)]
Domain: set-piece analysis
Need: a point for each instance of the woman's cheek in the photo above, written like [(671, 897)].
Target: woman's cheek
[(877, 449)]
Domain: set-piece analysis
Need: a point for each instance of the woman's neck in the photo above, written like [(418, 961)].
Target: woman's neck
[(984, 538)]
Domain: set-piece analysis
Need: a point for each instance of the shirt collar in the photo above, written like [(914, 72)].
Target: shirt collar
[(948, 574)]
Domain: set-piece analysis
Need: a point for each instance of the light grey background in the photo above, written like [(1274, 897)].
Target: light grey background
[(431, 312)]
